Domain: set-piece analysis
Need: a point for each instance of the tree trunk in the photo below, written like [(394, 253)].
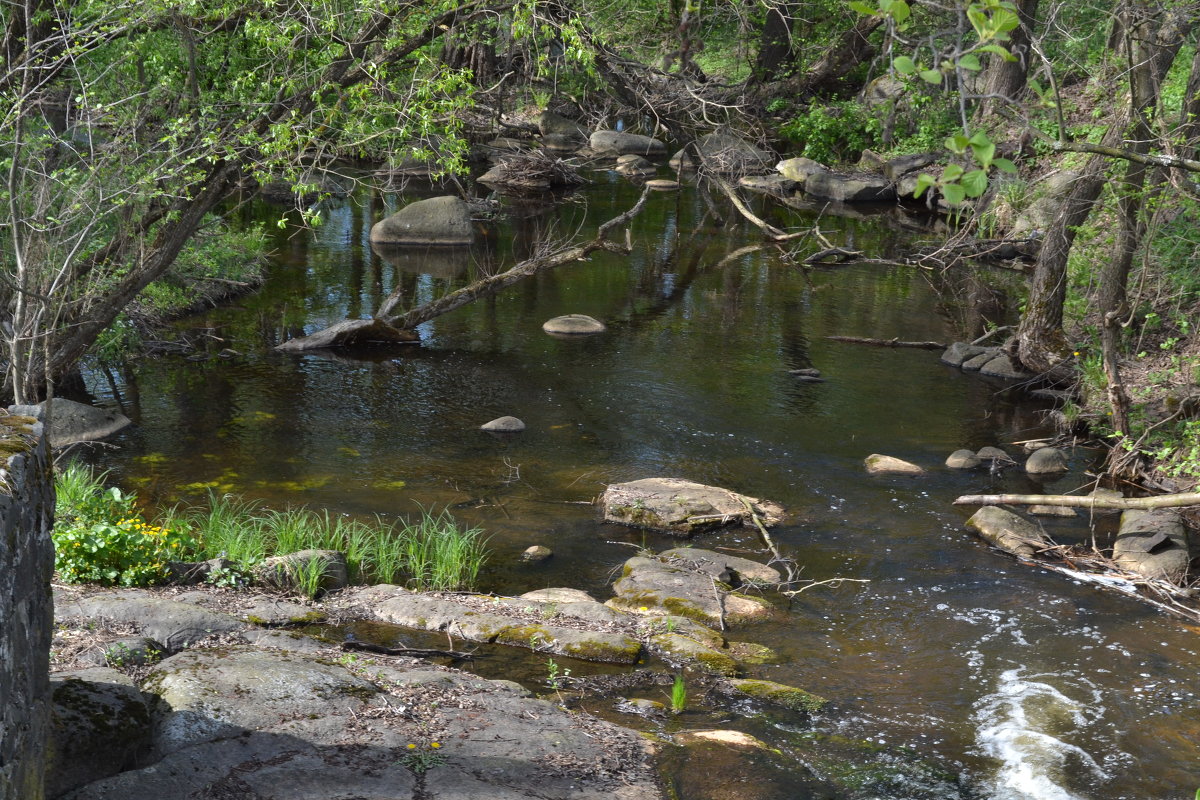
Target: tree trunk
[(852, 49), (1005, 80), (775, 51)]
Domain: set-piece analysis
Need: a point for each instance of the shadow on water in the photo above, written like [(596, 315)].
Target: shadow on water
[(1030, 686)]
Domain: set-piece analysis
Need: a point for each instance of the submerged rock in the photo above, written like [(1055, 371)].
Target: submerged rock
[(536, 553), (733, 570), (72, 422), (682, 507), (654, 586), (890, 465), (963, 459), (1153, 544), (1047, 460), (503, 425), (778, 694), (1008, 532), (617, 143), (574, 325)]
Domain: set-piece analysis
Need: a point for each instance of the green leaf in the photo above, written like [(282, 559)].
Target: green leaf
[(863, 8), (957, 144), (924, 182), (984, 154), (900, 11), (971, 62), (975, 182), (998, 50), (951, 172), (1004, 165), (931, 76), (904, 65), (979, 22), (953, 193)]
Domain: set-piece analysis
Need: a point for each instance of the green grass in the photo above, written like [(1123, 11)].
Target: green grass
[(433, 552)]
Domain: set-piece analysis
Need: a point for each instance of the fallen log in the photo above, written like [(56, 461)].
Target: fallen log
[(1080, 501), (888, 342)]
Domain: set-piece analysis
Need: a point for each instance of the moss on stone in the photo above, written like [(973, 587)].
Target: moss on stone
[(753, 653), (596, 650), (780, 694), (524, 635)]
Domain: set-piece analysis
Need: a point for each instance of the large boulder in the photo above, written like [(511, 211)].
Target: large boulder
[(1009, 532), (657, 586), (72, 422), (438, 220), (307, 572), (800, 170), (1153, 544), (859, 188), (610, 144), (682, 507), (175, 624), (552, 124)]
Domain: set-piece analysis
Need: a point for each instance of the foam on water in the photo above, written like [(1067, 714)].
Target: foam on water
[(1024, 725)]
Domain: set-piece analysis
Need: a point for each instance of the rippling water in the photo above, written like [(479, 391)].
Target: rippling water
[(1031, 686)]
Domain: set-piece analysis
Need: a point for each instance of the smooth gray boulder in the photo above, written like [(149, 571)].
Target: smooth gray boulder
[(1047, 460), (799, 170), (1153, 544), (552, 124), (878, 464), (1009, 532), (306, 572), (977, 361), (1001, 366), (435, 221), (175, 624), (958, 352), (682, 507), (503, 425), (574, 325), (896, 168), (963, 459), (652, 586), (99, 726), (611, 144), (536, 553), (72, 422), (990, 453), (634, 166), (861, 188), (774, 185)]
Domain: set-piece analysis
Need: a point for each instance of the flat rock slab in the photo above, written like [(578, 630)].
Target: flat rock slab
[(682, 507), (574, 325), (277, 613), (777, 694), (1153, 544), (652, 586), (72, 422), (171, 622), (342, 736), (1008, 532), (400, 607), (716, 565), (877, 464)]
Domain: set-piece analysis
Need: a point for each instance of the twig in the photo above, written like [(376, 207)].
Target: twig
[(414, 652), (834, 582), (888, 342)]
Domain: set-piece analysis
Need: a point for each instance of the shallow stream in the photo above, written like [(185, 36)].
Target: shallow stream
[(1026, 684)]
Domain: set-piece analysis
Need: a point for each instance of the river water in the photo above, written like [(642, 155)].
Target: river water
[(1026, 684)]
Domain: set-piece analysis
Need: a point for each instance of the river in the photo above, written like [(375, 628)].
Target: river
[(1028, 685)]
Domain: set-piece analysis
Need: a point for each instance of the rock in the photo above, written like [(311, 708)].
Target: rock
[(72, 422), (533, 631), (676, 647), (307, 572), (176, 625), (896, 168), (651, 586), (1001, 366), (1153, 544), (799, 170), (551, 124), (977, 361), (128, 651), (574, 325), (993, 454), (635, 166), (1105, 494), (190, 573), (729, 738), (100, 724), (561, 144), (889, 465), (503, 425), (641, 706), (610, 144), (778, 694), (1052, 511), (733, 570), (1052, 191), (661, 185), (963, 459), (1008, 532), (549, 604), (682, 507), (537, 553), (1046, 461), (351, 333), (773, 185), (863, 188), (436, 221), (885, 89), (870, 161), (276, 613)]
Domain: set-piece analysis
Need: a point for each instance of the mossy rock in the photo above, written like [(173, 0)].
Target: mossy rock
[(753, 653), (674, 646), (779, 694)]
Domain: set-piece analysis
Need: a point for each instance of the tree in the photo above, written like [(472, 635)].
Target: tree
[(123, 125)]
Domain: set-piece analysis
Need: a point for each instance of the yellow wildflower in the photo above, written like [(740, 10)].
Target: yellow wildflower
[(435, 745), (412, 747)]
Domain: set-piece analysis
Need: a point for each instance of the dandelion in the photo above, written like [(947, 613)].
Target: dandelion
[(435, 745), (412, 747), (643, 608)]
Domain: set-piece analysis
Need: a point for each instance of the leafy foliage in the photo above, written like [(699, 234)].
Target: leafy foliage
[(834, 133)]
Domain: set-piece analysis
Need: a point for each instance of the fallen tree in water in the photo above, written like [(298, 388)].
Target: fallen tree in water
[(386, 323), (1080, 501)]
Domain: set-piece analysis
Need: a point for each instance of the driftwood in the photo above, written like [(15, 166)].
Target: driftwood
[(1080, 501), (888, 342), (838, 254)]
